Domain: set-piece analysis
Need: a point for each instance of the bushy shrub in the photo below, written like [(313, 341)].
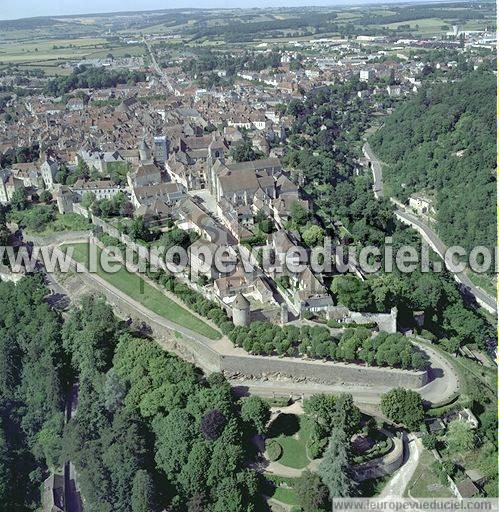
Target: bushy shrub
[(273, 450)]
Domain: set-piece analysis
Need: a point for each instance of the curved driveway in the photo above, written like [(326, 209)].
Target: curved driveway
[(443, 379), (442, 386)]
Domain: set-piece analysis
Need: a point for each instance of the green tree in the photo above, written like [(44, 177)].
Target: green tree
[(45, 196), (244, 152), (19, 199), (114, 391), (299, 215), (138, 229), (88, 199), (403, 406), (143, 492), (334, 467), (352, 292), (429, 441), (256, 412), (312, 493), (313, 235), (460, 437)]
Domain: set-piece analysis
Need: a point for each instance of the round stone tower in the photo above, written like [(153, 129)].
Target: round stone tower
[(240, 310)]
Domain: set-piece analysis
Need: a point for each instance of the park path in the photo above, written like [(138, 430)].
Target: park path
[(397, 485)]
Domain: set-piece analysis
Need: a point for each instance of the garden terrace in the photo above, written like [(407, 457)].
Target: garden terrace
[(131, 284), (355, 345)]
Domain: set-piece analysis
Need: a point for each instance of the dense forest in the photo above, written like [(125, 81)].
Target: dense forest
[(149, 430), (444, 141), (32, 391), (146, 415)]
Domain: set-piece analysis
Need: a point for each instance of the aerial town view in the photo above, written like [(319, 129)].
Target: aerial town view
[(247, 256)]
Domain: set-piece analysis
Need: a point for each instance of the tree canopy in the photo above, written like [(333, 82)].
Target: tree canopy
[(403, 406), (443, 141)]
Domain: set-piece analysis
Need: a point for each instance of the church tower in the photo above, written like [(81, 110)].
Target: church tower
[(144, 153)]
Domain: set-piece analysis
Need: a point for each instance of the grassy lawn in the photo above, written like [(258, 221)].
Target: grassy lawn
[(485, 282), (281, 488), (135, 287), (425, 483), (287, 496), (64, 222), (288, 430), (42, 220)]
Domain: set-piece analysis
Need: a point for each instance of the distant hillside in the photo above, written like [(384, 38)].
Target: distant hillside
[(444, 140)]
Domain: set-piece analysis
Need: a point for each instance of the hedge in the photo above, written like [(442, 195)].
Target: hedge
[(273, 450)]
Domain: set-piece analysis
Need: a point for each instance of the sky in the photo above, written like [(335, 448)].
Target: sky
[(13, 9)]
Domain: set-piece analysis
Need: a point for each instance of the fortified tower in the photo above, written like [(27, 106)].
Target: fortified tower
[(240, 310)]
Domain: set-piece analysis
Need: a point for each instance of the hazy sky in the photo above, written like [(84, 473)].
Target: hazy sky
[(11, 9)]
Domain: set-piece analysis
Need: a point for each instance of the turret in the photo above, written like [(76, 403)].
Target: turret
[(240, 310)]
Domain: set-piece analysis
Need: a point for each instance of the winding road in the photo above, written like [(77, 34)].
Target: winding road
[(468, 289), (442, 385)]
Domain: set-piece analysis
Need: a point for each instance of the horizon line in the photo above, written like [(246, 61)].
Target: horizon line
[(321, 5)]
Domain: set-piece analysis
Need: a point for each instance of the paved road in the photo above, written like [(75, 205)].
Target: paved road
[(443, 379), (163, 77), (397, 485), (270, 388), (376, 170), (468, 289), (443, 384)]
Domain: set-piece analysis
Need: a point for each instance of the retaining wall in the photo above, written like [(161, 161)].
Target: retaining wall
[(322, 372), (205, 353), (381, 466)]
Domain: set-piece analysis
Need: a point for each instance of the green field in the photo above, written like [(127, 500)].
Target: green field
[(285, 495), (50, 49), (425, 483), (48, 54), (138, 289)]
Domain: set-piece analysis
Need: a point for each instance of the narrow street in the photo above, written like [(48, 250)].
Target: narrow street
[(376, 170), (163, 78)]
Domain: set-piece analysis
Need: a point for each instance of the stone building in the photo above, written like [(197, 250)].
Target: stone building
[(240, 310)]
